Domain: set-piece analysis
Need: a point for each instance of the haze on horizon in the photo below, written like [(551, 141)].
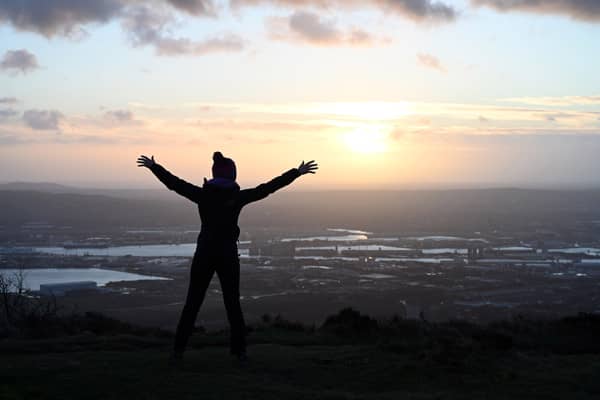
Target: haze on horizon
[(382, 93)]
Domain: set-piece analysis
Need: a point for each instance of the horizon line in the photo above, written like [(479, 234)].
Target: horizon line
[(558, 186)]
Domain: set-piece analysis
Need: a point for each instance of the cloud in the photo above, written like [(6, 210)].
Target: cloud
[(313, 29), (420, 10), (42, 119), (195, 7), (151, 27), (67, 17), (119, 115), (146, 22), (583, 10), (562, 116), (7, 113), (556, 101), (9, 138), (8, 100), (56, 17), (19, 61), (308, 27), (430, 61), (416, 10), (151, 23)]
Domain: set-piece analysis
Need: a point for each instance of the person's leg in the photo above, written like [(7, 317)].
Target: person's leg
[(200, 275), (228, 271)]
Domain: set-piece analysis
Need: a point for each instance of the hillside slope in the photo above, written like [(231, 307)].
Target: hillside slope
[(350, 357)]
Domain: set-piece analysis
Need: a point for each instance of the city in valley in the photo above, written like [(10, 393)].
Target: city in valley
[(544, 265)]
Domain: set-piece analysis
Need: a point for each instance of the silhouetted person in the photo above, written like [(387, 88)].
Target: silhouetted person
[(219, 201)]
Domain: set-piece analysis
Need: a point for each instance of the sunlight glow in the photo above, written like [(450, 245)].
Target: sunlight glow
[(366, 140), (370, 111)]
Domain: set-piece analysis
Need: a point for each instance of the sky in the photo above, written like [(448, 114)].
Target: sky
[(382, 93)]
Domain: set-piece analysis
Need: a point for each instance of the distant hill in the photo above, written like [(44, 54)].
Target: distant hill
[(48, 187), (453, 211), (89, 211)]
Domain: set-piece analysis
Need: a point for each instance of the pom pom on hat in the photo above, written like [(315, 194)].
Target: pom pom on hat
[(223, 167)]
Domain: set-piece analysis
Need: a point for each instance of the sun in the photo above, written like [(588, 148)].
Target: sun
[(366, 140)]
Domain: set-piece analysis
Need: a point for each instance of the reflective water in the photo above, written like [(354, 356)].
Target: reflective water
[(156, 250), (34, 277), (444, 251), (338, 238), (445, 238), (153, 250), (589, 251)]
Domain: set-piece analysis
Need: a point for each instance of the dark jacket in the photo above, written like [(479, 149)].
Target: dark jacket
[(220, 205)]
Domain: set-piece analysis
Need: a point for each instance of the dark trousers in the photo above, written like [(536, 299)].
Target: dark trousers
[(226, 264)]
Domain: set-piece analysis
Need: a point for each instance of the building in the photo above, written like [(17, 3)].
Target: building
[(61, 289)]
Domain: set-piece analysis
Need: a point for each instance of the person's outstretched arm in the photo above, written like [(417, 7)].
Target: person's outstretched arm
[(265, 189), (172, 182)]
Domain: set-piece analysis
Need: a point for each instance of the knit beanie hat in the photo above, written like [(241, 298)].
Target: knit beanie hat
[(223, 167)]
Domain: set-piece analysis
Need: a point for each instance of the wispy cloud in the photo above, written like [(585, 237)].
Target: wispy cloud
[(68, 17), (151, 27), (16, 61), (7, 113), (146, 23), (195, 7), (430, 61), (415, 10), (119, 115), (57, 17), (420, 10), (252, 123), (10, 138), (153, 23), (556, 101), (8, 100), (43, 119), (583, 10), (308, 27)]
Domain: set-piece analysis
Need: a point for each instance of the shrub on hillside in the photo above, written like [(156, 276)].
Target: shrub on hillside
[(349, 322)]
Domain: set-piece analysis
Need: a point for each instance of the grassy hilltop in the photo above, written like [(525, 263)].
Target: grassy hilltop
[(351, 356)]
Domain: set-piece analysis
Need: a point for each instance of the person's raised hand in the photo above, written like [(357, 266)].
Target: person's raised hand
[(144, 161), (308, 168)]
